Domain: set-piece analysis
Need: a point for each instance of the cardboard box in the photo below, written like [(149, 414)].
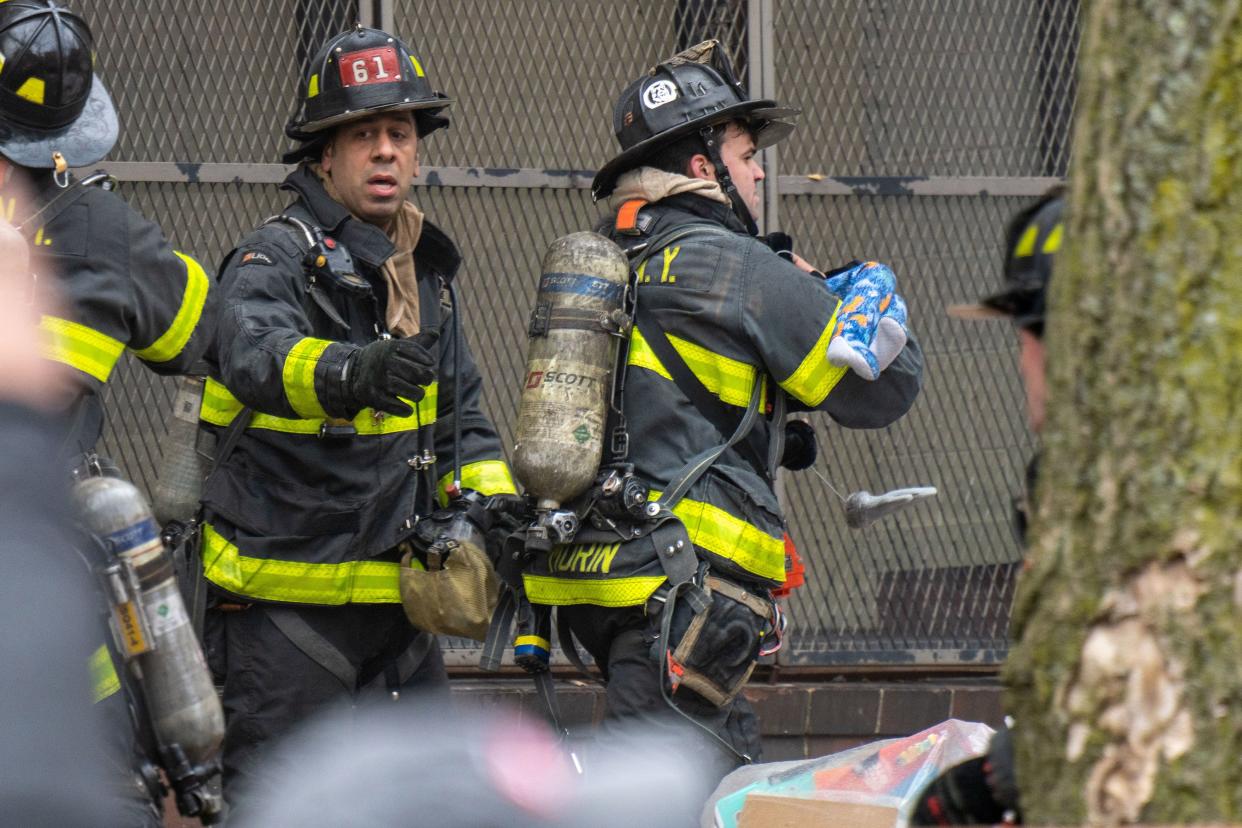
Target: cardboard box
[(768, 811)]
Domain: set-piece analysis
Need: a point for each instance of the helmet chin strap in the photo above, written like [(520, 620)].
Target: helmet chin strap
[(740, 208)]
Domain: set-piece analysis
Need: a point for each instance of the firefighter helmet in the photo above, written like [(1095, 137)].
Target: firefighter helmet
[(691, 90), (361, 72), (1032, 240), (51, 101)]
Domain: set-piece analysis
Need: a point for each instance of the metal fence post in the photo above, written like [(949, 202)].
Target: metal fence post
[(761, 71), (376, 14)]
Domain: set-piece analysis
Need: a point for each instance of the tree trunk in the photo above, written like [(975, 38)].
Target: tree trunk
[(1126, 673)]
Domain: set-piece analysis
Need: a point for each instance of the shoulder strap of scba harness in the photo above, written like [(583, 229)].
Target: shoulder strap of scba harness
[(700, 397), (677, 557)]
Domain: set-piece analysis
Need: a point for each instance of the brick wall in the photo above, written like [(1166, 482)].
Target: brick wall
[(798, 719)]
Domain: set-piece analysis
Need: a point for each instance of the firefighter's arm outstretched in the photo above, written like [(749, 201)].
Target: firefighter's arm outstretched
[(792, 317), (271, 357)]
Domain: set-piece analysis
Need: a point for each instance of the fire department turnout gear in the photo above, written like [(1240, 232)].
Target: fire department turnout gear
[(721, 321), (575, 329), (312, 502), (153, 630), (381, 374), (271, 684), (358, 73), (736, 314), (122, 287), (54, 111), (691, 93), (308, 513), (1032, 240)]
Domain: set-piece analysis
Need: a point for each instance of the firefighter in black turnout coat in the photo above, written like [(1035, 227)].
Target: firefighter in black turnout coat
[(346, 403), (722, 320)]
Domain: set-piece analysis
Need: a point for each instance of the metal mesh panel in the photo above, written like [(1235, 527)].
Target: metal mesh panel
[(208, 81), (900, 88), (936, 577), (534, 83), (927, 87)]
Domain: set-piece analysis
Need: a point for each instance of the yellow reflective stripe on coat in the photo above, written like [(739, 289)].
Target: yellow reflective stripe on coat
[(487, 477), (173, 341), (358, 582), (816, 376), (298, 375), (642, 355), (80, 347), (220, 407), (729, 379), (104, 680), (730, 537), (602, 592)]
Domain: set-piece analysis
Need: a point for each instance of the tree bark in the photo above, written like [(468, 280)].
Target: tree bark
[(1126, 674)]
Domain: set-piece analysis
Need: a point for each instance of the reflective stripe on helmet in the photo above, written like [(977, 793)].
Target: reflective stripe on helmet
[(174, 340), (86, 349), (32, 90)]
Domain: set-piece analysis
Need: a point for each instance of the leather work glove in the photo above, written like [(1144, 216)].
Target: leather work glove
[(380, 373), (871, 324)]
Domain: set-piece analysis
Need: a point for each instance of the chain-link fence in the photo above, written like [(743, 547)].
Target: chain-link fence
[(925, 124)]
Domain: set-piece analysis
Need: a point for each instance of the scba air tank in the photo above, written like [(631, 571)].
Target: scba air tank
[(152, 627), (577, 325)]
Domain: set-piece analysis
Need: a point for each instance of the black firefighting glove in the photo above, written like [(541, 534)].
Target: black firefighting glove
[(389, 372), (800, 446)]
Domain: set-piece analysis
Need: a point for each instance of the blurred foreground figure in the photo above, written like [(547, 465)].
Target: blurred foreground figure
[(120, 287), (984, 790), (423, 767), (53, 769)]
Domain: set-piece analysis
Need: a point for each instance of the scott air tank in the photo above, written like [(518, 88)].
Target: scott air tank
[(153, 630), (578, 322)]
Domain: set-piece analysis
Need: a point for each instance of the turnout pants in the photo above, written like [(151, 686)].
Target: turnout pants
[(281, 665), (621, 642)]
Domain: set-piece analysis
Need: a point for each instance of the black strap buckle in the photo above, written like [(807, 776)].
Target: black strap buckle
[(329, 430)]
